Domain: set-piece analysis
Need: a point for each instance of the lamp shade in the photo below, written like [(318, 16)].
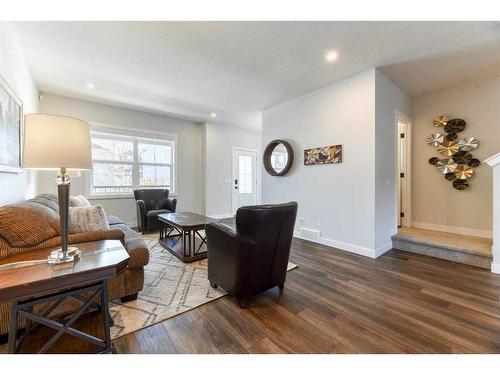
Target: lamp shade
[(54, 142)]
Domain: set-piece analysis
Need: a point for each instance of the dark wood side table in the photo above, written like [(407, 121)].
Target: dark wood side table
[(84, 280), (180, 233)]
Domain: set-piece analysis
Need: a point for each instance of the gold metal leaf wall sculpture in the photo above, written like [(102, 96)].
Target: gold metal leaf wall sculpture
[(446, 165), (468, 143), (435, 139), (458, 163), (440, 121), (447, 148), (463, 172)]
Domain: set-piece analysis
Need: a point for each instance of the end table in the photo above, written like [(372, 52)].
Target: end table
[(26, 285)]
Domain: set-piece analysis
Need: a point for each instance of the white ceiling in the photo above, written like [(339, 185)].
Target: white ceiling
[(236, 69)]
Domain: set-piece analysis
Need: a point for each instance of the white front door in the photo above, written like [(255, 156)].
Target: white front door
[(244, 182)]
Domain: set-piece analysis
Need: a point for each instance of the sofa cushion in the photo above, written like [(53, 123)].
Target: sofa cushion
[(87, 219), (27, 224)]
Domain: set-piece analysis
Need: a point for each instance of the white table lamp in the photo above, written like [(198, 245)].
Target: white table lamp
[(58, 143)]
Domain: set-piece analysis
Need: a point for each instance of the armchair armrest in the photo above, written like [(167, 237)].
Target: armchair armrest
[(225, 248), (221, 239), (141, 206), (141, 214), (225, 230), (171, 204)]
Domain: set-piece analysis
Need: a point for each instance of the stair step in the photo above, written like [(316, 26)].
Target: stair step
[(475, 251)]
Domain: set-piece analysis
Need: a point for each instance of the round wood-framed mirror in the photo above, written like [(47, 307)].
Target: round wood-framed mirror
[(278, 157)]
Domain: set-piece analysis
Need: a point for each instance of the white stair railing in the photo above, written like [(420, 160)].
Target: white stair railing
[(494, 162)]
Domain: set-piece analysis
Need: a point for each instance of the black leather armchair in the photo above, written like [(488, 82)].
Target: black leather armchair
[(150, 204), (251, 255)]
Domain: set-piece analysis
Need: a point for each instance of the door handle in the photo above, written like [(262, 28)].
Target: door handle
[(236, 183)]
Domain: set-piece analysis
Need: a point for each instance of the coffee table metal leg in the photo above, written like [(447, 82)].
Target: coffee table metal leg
[(184, 243), (190, 249)]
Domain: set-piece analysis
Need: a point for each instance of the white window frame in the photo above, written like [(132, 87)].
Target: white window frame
[(136, 134)]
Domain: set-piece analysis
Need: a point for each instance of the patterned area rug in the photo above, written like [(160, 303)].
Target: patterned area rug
[(171, 287)]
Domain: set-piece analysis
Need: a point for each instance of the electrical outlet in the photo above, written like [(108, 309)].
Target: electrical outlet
[(318, 223), (301, 220)]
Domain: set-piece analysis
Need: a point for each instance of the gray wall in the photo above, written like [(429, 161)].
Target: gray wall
[(352, 204), (435, 201), (13, 68), (389, 99), (189, 164), (337, 199), (219, 141)]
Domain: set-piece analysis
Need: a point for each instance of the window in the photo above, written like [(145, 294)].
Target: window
[(122, 163)]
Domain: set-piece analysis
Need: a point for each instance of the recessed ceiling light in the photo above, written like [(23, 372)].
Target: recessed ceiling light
[(332, 56), (90, 85), (213, 114)]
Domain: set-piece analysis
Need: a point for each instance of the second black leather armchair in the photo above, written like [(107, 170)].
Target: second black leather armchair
[(151, 203)]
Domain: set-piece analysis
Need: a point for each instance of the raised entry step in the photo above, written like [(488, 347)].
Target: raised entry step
[(475, 251)]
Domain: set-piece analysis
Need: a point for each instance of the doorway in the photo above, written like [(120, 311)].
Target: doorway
[(244, 181), (404, 171)]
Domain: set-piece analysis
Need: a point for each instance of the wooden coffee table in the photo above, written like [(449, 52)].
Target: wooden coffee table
[(182, 233), (84, 280)]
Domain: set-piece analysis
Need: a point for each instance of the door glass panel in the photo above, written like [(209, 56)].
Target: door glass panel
[(245, 174)]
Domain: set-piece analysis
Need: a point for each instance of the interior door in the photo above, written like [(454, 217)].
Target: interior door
[(244, 182)]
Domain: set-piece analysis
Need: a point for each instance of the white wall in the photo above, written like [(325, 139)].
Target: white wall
[(189, 163), (337, 199), (218, 143), (435, 201), (352, 204), (13, 68), (389, 99)]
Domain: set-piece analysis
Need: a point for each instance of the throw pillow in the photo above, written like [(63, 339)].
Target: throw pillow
[(87, 219), (27, 224), (79, 201)]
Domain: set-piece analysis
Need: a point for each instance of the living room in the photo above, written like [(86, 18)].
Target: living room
[(238, 186)]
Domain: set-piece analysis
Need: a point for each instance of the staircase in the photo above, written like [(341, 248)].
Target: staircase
[(475, 251)]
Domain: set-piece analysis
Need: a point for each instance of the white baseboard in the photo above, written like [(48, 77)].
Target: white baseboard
[(382, 249), (221, 216), (455, 230), (360, 250)]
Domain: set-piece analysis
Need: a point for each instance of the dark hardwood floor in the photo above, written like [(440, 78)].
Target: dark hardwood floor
[(338, 302)]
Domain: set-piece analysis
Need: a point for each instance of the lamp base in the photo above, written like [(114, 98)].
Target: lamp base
[(58, 256)]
